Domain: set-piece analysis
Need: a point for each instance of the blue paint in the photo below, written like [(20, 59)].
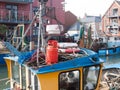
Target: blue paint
[(2, 61), (90, 59), (111, 51)]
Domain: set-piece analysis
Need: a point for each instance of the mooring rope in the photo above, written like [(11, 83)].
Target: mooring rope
[(4, 79)]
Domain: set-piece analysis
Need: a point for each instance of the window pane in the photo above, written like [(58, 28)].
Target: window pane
[(90, 75), (69, 80), (23, 72), (36, 82), (15, 71)]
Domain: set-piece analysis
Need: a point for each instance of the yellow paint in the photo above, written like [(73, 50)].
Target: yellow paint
[(8, 62), (81, 78), (99, 77), (50, 80)]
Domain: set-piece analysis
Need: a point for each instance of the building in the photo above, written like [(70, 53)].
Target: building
[(111, 20), (70, 19), (94, 22), (74, 30), (56, 12), (15, 12)]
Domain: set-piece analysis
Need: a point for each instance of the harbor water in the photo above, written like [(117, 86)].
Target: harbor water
[(4, 81), (112, 60)]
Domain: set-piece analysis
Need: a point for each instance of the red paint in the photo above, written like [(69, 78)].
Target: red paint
[(52, 52)]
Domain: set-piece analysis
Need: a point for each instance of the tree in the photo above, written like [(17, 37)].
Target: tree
[(3, 29)]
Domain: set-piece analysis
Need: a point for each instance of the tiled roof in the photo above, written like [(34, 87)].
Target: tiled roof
[(118, 2)]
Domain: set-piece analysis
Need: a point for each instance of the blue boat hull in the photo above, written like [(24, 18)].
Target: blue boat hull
[(109, 51), (2, 61)]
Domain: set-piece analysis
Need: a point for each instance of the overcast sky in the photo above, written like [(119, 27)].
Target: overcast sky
[(90, 7)]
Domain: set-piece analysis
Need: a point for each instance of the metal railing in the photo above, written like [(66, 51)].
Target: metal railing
[(18, 1), (113, 15), (14, 17)]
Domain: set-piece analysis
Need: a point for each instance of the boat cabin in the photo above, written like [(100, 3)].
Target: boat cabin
[(83, 72)]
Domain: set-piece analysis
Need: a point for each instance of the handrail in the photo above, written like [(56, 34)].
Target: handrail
[(20, 16)]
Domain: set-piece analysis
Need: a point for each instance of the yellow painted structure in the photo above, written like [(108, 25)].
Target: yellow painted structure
[(50, 81), (8, 62)]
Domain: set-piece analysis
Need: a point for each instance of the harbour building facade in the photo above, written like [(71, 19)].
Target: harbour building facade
[(15, 13)]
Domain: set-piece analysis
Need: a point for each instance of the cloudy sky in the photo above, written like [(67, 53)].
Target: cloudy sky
[(91, 7)]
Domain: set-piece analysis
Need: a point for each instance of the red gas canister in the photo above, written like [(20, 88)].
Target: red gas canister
[(52, 52)]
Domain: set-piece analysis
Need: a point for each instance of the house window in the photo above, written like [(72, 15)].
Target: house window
[(8, 6), (114, 21), (90, 76), (115, 11), (12, 12), (69, 80)]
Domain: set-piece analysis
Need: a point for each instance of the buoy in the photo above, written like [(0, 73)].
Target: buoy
[(52, 52), (72, 50)]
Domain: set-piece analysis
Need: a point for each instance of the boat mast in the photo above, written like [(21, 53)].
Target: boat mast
[(41, 30)]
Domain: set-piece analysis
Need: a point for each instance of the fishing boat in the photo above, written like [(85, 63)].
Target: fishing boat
[(109, 51), (72, 71), (107, 43), (107, 46)]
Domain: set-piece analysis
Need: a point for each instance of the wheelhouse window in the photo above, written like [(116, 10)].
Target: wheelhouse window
[(90, 77), (15, 72), (69, 80), (34, 83), (23, 75)]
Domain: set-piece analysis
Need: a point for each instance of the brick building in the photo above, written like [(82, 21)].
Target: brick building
[(111, 20), (70, 19), (14, 12)]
